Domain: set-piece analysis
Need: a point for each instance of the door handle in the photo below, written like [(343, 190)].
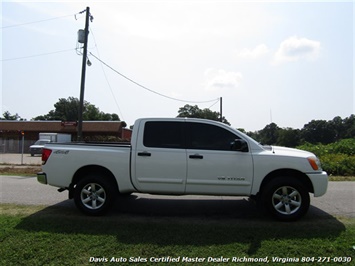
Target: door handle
[(146, 154), (196, 156)]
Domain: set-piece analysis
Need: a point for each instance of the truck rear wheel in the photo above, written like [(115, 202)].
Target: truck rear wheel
[(93, 195), (286, 198)]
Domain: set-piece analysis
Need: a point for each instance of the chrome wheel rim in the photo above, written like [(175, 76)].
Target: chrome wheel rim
[(93, 196), (286, 200)]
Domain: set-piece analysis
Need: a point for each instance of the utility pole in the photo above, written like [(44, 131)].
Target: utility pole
[(83, 72), (220, 109), (22, 145)]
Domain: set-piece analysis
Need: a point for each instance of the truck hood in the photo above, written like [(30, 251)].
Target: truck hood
[(36, 146), (277, 150)]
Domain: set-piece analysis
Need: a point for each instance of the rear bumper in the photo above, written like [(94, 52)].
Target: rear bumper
[(42, 178), (319, 182)]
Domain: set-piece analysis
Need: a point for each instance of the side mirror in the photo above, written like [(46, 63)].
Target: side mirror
[(239, 145)]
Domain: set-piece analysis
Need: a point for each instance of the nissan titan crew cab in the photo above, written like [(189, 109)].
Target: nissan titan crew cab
[(182, 156)]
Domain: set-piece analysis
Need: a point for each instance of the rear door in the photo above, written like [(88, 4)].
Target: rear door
[(159, 161), (213, 167)]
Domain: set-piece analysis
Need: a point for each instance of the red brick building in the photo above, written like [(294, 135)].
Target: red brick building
[(11, 132)]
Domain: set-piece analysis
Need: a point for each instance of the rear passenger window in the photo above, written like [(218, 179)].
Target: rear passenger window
[(164, 135), (210, 137)]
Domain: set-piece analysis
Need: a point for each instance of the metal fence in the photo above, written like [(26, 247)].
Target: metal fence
[(10, 145)]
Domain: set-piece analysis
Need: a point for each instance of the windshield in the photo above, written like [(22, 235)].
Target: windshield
[(41, 142)]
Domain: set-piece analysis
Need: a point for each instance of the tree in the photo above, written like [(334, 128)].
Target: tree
[(269, 134), (319, 131), (68, 109), (349, 125), (338, 124), (196, 112), (289, 137), (8, 116)]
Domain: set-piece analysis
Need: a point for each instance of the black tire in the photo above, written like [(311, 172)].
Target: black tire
[(94, 195), (286, 198)]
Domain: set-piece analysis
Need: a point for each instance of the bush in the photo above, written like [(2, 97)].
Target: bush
[(337, 158), (318, 150), (345, 146), (338, 164)]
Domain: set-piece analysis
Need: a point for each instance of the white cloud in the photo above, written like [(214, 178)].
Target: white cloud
[(295, 48), (220, 79), (255, 53)]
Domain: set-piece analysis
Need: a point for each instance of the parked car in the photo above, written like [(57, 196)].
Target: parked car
[(38, 146)]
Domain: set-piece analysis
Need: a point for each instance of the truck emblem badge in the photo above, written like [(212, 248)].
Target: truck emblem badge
[(61, 152), (230, 178)]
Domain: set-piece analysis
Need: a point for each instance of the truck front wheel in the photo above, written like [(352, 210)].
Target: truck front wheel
[(93, 195), (286, 198)]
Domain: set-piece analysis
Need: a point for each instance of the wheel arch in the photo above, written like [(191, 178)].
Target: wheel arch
[(288, 173), (92, 169)]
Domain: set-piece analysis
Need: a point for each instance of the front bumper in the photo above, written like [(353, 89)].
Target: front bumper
[(42, 178), (319, 182), (36, 150)]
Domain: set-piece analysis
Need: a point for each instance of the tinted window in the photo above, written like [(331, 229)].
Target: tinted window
[(210, 137), (163, 135)]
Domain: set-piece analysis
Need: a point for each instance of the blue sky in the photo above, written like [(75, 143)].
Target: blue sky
[(285, 62)]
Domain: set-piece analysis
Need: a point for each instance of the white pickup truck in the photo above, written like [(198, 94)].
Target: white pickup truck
[(180, 156)]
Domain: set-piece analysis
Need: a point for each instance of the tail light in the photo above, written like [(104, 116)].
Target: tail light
[(45, 155)]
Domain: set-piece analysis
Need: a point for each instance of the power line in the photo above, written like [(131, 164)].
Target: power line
[(144, 87), (104, 72), (214, 103), (36, 55), (37, 21)]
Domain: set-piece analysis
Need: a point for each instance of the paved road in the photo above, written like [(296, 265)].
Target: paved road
[(339, 201), (18, 159)]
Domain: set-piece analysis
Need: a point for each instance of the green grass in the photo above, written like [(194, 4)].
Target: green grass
[(341, 178), (32, 235)]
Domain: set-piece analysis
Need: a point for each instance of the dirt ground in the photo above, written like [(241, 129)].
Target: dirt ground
[(19, 170), (18, 164)]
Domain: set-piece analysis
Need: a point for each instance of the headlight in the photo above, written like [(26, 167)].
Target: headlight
[(314, 162)]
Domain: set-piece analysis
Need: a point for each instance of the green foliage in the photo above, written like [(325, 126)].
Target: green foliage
[(68, 110), (288, 137), (8, 116), (337, 158), (338, 164), (345, 146), (319, 131), (316, 131), (269, 134), (318, 150), (196, 112)]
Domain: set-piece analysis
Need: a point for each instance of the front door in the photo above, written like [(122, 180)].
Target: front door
[(213, 167)]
